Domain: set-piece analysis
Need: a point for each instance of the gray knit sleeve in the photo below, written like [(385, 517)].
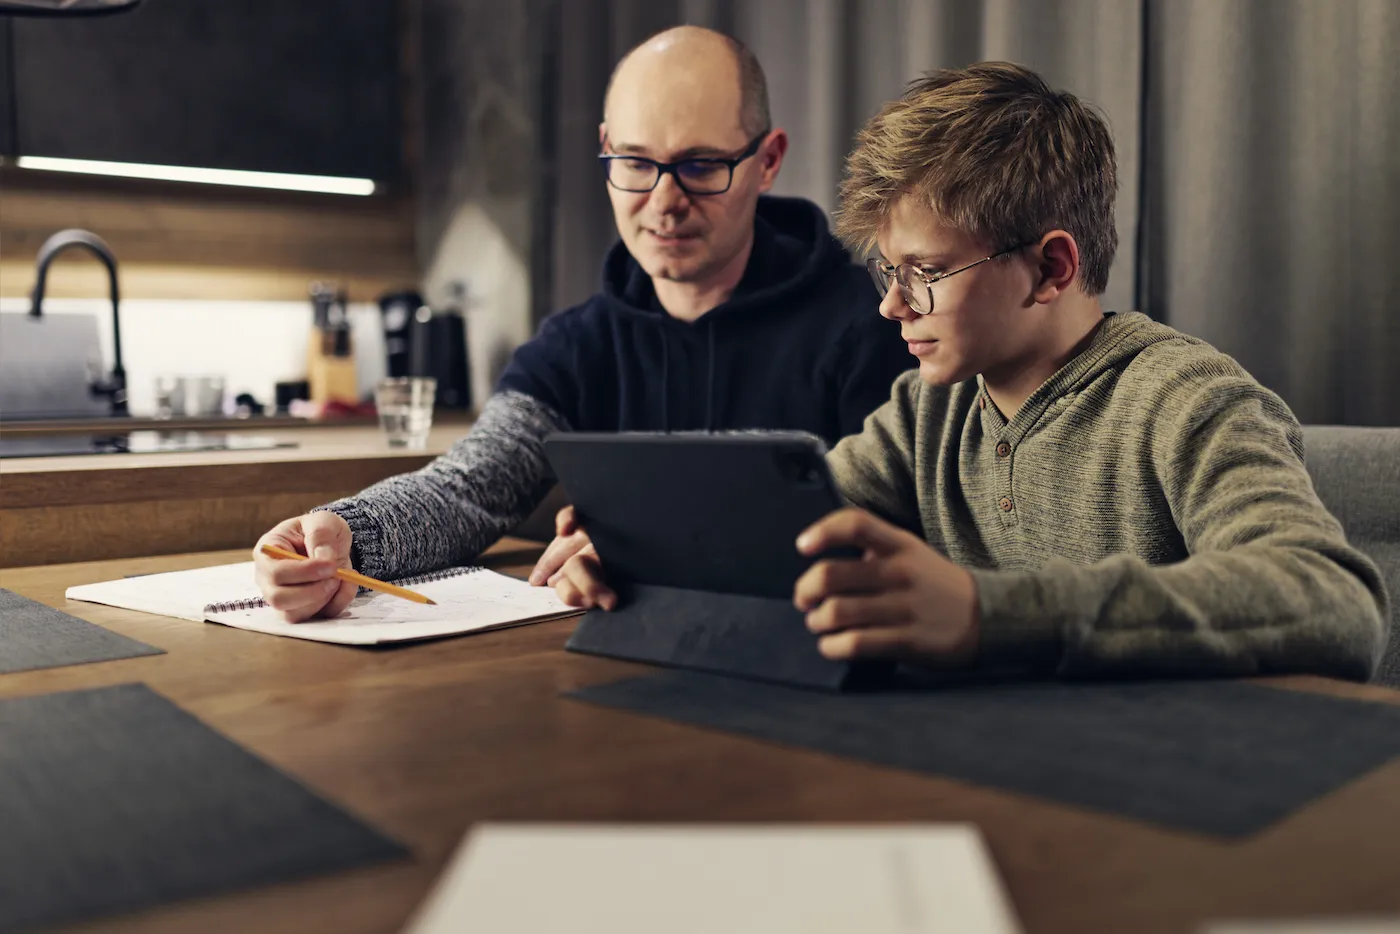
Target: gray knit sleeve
[(454, 508)]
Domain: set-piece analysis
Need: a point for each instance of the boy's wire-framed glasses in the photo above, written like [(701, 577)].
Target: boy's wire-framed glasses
[(709, 175), (916, 283)]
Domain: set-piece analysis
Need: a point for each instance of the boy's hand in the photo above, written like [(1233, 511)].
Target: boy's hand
[(303, 589), (569, 540), (901, 599)]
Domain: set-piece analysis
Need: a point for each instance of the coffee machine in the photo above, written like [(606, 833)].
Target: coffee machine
[(420, 341)]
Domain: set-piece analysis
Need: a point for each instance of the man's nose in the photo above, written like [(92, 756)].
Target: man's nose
[(893, 305), (668, 195)]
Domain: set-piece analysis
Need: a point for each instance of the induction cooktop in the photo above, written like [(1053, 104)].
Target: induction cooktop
[(135, 442)]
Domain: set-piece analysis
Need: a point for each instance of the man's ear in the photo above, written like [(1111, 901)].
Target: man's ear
[(770, 156), (1057, 261), (602, 134)]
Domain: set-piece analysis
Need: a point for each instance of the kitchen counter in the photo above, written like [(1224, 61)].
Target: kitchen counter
[(95, 507), (116, 425), (32, 426)]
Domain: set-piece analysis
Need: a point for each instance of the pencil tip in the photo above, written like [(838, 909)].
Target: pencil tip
[(431, 601)]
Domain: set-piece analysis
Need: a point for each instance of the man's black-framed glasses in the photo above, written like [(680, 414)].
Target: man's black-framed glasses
[(917, 282), (709, 175)]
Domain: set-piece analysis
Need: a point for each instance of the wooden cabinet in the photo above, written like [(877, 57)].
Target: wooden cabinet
[(308, 87)]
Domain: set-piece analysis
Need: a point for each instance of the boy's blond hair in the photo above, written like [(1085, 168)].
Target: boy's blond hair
[(998, 154)]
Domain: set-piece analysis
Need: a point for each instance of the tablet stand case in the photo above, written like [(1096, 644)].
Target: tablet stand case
[(693, 592), (764, 638)]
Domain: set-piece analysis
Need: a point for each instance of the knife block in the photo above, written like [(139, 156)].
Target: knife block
[(330, 375)]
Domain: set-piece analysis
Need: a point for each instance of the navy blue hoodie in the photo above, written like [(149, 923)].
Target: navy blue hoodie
[(799, 345)]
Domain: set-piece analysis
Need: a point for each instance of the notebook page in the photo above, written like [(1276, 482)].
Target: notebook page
[(740, 879), (472, 601), (174, 593)]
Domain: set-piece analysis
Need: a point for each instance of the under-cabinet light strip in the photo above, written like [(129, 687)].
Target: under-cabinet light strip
[(328, 184)]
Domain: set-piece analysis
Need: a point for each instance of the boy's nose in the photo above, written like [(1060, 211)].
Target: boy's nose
[(893, 305)]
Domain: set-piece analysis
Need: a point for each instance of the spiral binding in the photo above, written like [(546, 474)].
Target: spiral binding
[(437, 575), (256, 603), (247, 603)]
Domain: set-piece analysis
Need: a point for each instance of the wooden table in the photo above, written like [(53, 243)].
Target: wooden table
[(425, 740)]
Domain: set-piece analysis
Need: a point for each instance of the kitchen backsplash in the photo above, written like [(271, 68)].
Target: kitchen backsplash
[(252, 345)]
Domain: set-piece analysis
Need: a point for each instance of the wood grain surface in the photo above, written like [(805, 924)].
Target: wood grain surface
[(423, 741)]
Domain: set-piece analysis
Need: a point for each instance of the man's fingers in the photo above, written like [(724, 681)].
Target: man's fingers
[(327, 537), (587, 549), (559, 551), (565, 522), (286, 572), (581, 584), (340, 601), (843, 576), (302, 601), (852, 527), (300, 590), (863, 612), (286, 534)]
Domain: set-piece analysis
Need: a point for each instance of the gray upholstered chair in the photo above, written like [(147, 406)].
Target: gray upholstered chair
[(1356, 472)]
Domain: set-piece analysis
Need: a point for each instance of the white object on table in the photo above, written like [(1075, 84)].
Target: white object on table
[(739, 879)]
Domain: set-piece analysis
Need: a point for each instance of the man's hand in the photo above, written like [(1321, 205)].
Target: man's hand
[(303, 589), (901, 599), (569, 539), (570, 565)]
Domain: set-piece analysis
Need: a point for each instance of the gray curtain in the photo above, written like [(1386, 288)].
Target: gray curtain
[(1272, 209), (1257, 149)]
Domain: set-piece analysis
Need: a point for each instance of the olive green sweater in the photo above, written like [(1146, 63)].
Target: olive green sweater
[(1146, 511)]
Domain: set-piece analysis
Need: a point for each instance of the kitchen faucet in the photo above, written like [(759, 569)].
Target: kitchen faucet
[(112, 386)]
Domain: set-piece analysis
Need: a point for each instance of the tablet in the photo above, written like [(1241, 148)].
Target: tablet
[(712, 512)]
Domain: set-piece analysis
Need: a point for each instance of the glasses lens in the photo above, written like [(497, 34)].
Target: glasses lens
[(877, 275), (916, 291), (704, 177), (632, 174)]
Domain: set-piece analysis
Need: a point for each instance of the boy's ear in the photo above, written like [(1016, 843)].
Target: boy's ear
[(1058, 258)]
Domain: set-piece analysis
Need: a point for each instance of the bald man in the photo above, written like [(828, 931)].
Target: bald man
[(721, 308)]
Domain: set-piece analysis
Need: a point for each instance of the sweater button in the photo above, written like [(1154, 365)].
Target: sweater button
[(981, 402), (1005, 504), (1003, 450)]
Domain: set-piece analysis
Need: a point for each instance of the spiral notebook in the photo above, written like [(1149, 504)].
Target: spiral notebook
[(469, 599)]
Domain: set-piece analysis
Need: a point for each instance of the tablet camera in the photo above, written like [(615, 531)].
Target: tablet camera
[(801, 468)]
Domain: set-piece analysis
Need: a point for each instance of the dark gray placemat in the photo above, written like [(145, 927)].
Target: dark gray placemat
[(116, 799), (1216, 757), (33, 635)]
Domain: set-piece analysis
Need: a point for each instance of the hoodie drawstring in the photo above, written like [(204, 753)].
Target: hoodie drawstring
[(665, 379), (710, 381)]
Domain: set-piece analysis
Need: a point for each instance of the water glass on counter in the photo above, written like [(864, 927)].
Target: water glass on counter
[(405, 406), (189, 396)]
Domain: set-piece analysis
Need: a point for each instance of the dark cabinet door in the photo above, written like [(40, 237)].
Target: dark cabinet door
[(7, 91), (305, 86)]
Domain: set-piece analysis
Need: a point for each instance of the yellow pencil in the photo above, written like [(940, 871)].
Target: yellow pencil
[(354, 577)]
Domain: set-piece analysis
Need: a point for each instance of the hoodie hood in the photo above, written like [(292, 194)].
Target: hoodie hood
[(799, 346), (792, 250)]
